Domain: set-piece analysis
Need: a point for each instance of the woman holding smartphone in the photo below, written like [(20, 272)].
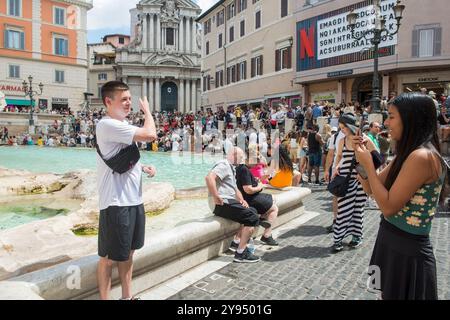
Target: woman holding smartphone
[(407, 191), (349, 218)]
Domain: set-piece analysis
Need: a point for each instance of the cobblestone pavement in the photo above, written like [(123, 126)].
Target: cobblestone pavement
[(303, 267)]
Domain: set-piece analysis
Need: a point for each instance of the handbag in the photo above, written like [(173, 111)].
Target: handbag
[(339, 185), (125, 160)]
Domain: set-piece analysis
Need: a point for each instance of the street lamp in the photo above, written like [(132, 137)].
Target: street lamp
[(28, 90), (380, 33)]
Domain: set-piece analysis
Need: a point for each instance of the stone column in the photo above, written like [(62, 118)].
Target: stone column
[(175, 38), (151, 98), (144, 88), (157, 96), (181, 103), (194, 96), (158, 33), (193, 37), (188, 95), (145, 33), (188, 35), (152, 33), (163, 38), (181, 35)]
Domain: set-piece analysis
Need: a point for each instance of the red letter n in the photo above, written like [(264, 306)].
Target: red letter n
[(307, 43)]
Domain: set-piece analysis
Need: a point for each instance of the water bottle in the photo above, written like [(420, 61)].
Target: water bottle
[(251, 246)]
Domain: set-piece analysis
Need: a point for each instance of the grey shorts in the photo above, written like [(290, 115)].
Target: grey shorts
[(121, 230)]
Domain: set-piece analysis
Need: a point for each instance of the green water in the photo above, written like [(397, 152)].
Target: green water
[(183, 171), (15, 214)]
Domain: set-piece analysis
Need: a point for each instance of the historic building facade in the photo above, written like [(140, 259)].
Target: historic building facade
[(248, 54), (47, 40), (102, 64), (162, 61)]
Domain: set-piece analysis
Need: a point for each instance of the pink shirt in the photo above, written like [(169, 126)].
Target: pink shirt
[(258, 172)]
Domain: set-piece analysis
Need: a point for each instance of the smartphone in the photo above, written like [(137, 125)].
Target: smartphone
[(360, 169)]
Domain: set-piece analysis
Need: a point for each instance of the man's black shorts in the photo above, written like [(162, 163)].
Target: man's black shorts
[(236, 212), (262, 202), (121, 229)]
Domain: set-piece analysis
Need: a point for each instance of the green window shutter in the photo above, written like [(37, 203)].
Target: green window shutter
[(6, 42), (22, 40)]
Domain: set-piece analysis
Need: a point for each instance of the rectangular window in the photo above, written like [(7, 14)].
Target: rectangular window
[(242, 5), (102, 76), (258, 20), (121, 40), (207, 47), (233, 73), (242, 28), (59, 16), (426, 43), (59, 76), (231, 10), (99, 92), (220, 18), (14, 39), (15, 8), (219, 78), (284, 8), (14, 71), (257, 66), (242, 71), (220, 41), (231, 34), (61, 47), (170, 38), (283, 59)]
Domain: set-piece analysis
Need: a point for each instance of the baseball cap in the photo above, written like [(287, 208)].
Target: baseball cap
[(349, 120)]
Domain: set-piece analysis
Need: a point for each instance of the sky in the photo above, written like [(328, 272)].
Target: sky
[(113, 16)]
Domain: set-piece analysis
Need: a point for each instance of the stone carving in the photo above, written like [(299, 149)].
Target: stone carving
[(138, 34), (170, 10), (199, 39)]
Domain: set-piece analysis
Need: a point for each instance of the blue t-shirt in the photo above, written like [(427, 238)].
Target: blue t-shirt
[(316, 112)]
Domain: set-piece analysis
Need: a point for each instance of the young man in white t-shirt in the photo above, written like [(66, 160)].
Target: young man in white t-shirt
[(122, 216)]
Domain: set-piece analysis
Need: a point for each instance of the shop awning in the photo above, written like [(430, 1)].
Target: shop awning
[(18, 102)]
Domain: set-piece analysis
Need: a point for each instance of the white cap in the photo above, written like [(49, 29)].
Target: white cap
[(334, 129)]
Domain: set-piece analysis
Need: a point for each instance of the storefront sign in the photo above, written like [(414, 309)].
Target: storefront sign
[(11, 89), (428, 79), (326, 40), (324, 96), (60, 100), (340, 73)]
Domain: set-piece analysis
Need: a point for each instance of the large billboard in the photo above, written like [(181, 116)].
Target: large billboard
[(326, 40)]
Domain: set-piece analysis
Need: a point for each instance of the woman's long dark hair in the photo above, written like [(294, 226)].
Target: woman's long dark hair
[(418, 114), (285, 163)]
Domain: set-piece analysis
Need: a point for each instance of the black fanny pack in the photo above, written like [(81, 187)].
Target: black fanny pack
[(125, 160)]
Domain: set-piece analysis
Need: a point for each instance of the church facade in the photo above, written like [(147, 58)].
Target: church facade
[(162, 61)]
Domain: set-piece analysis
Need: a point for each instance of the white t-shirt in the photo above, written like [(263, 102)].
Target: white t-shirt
[(115, 189)]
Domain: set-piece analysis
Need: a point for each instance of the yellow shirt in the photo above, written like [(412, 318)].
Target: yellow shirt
[(282, 179), (40, 142)]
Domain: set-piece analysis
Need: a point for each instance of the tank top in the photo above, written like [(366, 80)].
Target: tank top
[(313, 144)]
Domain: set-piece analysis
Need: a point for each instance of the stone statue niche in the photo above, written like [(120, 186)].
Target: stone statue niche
[(139, 34)]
